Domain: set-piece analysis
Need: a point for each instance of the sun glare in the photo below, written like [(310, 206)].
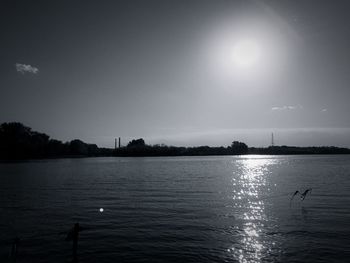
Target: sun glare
[(245, 53), (238, 57)]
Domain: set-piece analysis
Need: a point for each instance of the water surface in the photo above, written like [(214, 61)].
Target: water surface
[(178, 209)]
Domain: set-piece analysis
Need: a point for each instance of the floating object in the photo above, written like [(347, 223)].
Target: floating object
[(101, 210)]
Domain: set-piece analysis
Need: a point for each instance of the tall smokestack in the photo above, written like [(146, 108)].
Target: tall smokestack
[(119, 142), (115, 143)]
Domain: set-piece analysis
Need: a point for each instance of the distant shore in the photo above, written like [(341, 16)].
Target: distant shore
[(19, 142), (207, 151)]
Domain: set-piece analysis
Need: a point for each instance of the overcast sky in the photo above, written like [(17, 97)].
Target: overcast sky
[(167, 71)]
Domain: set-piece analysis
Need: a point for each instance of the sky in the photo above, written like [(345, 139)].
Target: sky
[(178, 72)]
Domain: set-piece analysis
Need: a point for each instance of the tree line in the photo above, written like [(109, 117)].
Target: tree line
[(18, 141), (21, 142), (140, 148)]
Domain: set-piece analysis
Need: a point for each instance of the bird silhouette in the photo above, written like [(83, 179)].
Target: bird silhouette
[(303, 195), (295, 193)]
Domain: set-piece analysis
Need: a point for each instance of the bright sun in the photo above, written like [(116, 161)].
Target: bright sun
[(245, 53)]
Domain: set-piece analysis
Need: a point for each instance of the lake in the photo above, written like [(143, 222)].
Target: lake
[(178, 209)]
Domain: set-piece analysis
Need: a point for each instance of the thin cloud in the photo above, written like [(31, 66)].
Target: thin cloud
[(324, 110), (292, 107), (23, 68)]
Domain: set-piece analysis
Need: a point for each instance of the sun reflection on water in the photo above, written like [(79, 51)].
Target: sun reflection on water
[(249, 183)]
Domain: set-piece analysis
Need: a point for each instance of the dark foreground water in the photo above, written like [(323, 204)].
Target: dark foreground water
[(181, 209)]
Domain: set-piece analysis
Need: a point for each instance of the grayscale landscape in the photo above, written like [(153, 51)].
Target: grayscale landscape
[(174, 131)]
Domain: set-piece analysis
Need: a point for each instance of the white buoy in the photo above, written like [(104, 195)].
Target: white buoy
[(101, 210)]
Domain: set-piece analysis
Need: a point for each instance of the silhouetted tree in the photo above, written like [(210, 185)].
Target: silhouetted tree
[(238, 148), (77, 147), (136, 143), (18, 141), (57, 148)]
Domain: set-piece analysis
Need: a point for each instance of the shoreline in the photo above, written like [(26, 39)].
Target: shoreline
[(156, 156)]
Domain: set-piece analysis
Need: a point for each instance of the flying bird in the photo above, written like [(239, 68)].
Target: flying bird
[(291, 199), (303, 195), (295, 193)]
